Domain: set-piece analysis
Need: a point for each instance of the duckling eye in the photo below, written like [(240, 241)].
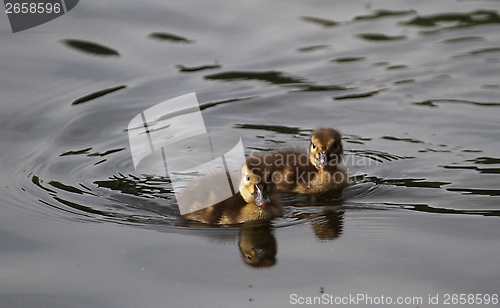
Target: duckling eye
[(313, 146), (334, 145), (247, 178)]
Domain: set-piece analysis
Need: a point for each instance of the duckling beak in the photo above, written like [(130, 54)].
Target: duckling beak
[(260, 196), (322, 160)]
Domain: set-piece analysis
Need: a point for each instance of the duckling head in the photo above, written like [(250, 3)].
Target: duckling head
[(255, 182), (326, 148)]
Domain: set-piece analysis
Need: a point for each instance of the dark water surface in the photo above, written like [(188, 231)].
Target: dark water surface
[(413, 86)]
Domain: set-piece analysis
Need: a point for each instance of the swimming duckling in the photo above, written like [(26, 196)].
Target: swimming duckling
[(316, 171), (251, 203)]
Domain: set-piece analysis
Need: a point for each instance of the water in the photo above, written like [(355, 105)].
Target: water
[(412, 86)]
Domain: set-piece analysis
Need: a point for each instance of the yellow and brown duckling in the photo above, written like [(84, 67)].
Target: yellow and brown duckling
[(315, 171), (253, 201)]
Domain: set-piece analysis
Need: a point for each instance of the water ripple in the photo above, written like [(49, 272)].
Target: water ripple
[(120, 199), (435, 102), (476, 191), (358, 95), (320, 21), (191, 69), (319, 88), (348, 59), (446, 21), (161, 36), (90, 47), (379, 37), (411, 140), (272, 77), (476, 161), (289, 130), (96, 94), (407, 182), (429, 209), (376, 155), (478, 52), (312, 48), (378, 14)]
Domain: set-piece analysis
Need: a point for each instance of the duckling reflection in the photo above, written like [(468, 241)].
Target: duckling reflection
[(327, 224), (316, 171), (256, 241), (258, 246), (251, 203)]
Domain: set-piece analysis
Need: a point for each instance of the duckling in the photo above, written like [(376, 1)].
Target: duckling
[(316, 171), (251, 203)]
